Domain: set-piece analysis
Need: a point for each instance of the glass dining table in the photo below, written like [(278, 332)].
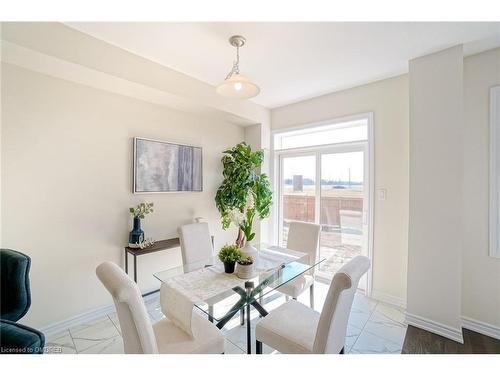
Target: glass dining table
[(221, 296)]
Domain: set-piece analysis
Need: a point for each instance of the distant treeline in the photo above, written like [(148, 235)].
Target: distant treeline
[(308, 181)]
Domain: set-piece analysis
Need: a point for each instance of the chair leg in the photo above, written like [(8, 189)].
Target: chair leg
[(258, 347), (311, 295), (242, 316), (210, 313), (261, 301)]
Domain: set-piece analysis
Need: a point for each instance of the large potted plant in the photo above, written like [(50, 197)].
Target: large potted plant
[(244, 193)]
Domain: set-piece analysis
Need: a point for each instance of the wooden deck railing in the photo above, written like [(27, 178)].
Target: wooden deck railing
[(299, 207)]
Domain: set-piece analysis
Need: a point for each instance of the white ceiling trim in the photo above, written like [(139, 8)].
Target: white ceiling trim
[(32, 60), (61, 45)]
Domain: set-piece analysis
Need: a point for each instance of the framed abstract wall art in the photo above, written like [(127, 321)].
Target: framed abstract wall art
[(162, 167)]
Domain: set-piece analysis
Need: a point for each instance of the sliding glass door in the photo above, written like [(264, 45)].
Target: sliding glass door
[(328, 186), (342, 205)]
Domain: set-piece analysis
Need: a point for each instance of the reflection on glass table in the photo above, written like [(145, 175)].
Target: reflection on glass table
[(207, 284)]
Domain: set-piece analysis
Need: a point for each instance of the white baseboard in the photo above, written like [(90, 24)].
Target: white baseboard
[(435, 327), (481, 327), (57, 327), (387, 298)]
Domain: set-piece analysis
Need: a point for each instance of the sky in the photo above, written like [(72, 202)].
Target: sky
[(333, 166)]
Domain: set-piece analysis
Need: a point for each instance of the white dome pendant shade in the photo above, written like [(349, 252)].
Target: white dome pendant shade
[(237, 85)]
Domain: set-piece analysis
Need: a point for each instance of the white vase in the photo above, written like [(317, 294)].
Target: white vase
[(249, 251)]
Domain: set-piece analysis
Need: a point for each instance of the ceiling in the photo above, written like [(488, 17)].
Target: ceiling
[(293, 61)]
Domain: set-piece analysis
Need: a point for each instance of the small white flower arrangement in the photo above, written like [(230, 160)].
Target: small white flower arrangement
[(236, 216)]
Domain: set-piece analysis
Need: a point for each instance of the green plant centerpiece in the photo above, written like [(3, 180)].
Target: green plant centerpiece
[(136, 236), (244, 193), (229, 255)]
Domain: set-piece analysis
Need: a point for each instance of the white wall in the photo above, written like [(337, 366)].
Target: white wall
[(481, 273), (66, 179), (388, 100), (436, 150)]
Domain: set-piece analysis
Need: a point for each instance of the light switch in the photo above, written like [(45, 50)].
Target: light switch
[(382, 194)]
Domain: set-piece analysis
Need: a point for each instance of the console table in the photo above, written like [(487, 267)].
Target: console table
[(157, 246), (170, 243)]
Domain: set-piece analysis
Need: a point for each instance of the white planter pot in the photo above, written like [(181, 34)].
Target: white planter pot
[(244, 271)]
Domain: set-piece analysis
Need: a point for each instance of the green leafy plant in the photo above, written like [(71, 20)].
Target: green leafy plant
[(244, 193), (245, 261), (229, 254), (141, 210)]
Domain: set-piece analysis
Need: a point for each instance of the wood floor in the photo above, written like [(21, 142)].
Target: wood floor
[(419, 341)]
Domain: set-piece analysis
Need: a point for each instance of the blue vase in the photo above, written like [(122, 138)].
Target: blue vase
[(137, 234)]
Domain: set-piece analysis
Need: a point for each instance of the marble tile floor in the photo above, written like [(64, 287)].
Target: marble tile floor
[(374, 327)]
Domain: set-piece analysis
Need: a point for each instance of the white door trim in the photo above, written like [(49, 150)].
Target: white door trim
[(277, 157)]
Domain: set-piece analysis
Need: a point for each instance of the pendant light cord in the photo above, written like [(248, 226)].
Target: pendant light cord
[(236, 64)]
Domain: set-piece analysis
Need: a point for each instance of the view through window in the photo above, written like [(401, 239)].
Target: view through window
[(326, 186)]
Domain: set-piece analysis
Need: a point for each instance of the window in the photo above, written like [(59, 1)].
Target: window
[(350, 131), (323, 175)]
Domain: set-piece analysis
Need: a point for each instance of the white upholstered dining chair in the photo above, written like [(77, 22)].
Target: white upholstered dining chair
[(302, 237), (297, 329), (140, 336), (196, 242)]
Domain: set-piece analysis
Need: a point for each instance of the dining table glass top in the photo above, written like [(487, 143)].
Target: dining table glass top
[(221, 295)]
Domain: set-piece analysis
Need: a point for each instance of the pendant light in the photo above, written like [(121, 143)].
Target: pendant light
[(236, 85)]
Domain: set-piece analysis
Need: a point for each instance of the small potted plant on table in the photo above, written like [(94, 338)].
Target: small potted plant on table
[(229, 255), (244, 269)]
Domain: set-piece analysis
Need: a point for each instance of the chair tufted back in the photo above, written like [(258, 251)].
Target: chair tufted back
[(15, 295), (136, 327), (332, 326), (304, 237), (196, 243)]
